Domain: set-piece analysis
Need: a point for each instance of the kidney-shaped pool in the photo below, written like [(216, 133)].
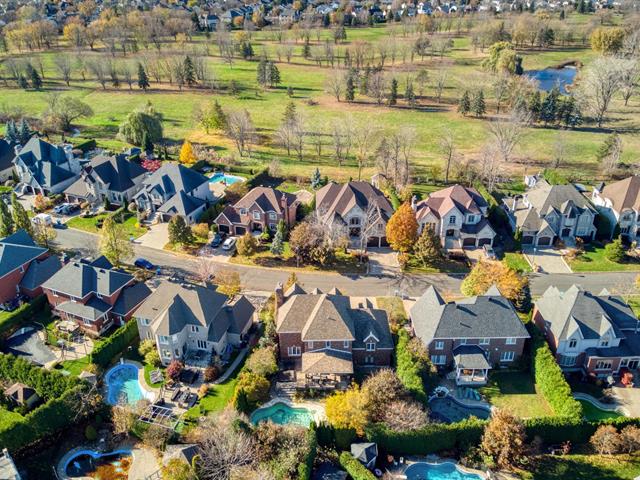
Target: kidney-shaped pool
[(440, 471)]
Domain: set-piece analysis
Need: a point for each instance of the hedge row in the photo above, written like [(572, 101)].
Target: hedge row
[(107, 349), (549, 378), (329, 436), (408, 368), (306, 466), (47, 383), (10, 321), (354, 468)]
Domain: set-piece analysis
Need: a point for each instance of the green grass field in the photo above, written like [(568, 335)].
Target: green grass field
[(593, 260), (517, 262), (89, 224), (594, 413), (8, 418), (584, 467), (516, 392)]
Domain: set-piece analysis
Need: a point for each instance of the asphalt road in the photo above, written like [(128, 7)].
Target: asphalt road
[(264, 280)]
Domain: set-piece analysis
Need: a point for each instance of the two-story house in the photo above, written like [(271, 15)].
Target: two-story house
[(187, 321), (357, 206), (107, 177), (259, 210), (619, 202), (7, 154), (174, 189), (549, 212), (94, 294), (322, 336), (595, 334), (458, 215), (45, 168), (470, 336), (24, 266)]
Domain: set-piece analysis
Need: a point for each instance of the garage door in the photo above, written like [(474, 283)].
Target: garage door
[(527, 240), (484, 241), (544, 241), (469, 242), (223, 228), (241, 230)]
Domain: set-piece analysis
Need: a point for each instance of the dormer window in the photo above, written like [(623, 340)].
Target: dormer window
[(243, 211), (452, 219), (194, 329), (371, 347), (604, 342), (354, 221), (573, 343), (272, 216), (256, 215), (471, 218)]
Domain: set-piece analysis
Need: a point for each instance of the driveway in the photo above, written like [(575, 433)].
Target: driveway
[(548, 259), (157, 236), (383, 261)]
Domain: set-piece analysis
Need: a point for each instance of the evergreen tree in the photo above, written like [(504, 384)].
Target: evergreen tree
[(6, 222), (316, 179), (549, 109), (571, 116), (34, 76), (179, 232), (410, 96), (22, 82), (428, 248), (11, 133), (189, 71), (347, 59), (277, 244), (24, 133), (143, 80), (306, 49), (219, 117), (562, 14), (290, 91), (535, 106), (147, 144), (289, 114), (19, 216), (464, 104), (350, 93), (247, 50), (393, 94), (479, 107), (261, 73), (274, 74)]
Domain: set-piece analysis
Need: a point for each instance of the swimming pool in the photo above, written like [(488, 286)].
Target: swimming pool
[(225, 179), (440, 471), (123, 385), (283, 414), (449, 410), (89, 463)]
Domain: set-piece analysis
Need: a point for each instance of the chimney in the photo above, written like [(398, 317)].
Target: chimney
[(414, 203), (285, 210), (278, 296)]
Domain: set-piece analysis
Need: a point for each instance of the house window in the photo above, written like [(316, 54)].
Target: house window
[(327, 344), (624, 362), (86, 322), (603, 365), (148, 335), (573, 343), (144, 321), (272, 226), (511, 341), (485, 341), (176, 353), (369, 359), (463, 341), (354, 221), (194, 329), (294, 351), (507, 356), (201, 344), (371, 347), (243, 211), (439, 345), (567, 360), (166, 353), (346, 344), (438, 359), (452, 219), (604, 342), (163, 339), (471, 218), (309, 345), (272, 216), (256, 215)]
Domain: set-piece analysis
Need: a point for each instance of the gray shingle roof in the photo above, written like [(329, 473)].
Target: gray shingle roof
[(470, 356), (130, 298), (116, 171), (335, 200), (487, 316), (7, 154), (39, 272), (16, 250), (181, 204), (171, 178), (78, 279), (92, 310)]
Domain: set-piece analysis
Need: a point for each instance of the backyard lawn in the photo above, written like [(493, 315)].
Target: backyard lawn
[(594, 413), (74, 367), (394, 308), (517, 262), (147, 376), (8, 418), (584, 467), (89, 224), (593, 260), (516, 392)]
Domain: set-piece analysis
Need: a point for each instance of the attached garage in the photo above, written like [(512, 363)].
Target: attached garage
[(469, 242), (241, 230), (527, 240), (485, 241), (223, 228), (544, 241)]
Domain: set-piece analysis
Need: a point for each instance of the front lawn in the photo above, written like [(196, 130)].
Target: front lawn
[(89, 224), (584, 467), (394, 308), (593, 260), (516, 392), (441, 266), (516, 261)]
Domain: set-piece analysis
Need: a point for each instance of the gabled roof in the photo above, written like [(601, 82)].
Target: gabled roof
[(327, 361), (20, 392), (115, 171), (470, 356), (576, 310), (38, 150), (181, 204), (130, 298), (172, 178), (336, 200), (268, 199), (48, 175), (78, 279), (7, 154), (92, 310), (16, 250), (40, 271), (486, 316), (624, 194), (466, 200)]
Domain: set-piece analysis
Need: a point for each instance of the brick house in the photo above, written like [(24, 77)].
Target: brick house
[(323, 336), (260, 209), (458, 215), (24, 266), (595, 334), (471, 336), (188, 321), (94, 295)]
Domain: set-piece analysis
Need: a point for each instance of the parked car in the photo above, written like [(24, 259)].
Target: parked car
[(489, 252), (144, 263), (217, 240), (60, 209), (229, 243)]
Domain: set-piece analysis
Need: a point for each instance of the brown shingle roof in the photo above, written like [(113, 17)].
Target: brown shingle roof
[(624, 194), (467, 200), (337, 200), (327, 361)]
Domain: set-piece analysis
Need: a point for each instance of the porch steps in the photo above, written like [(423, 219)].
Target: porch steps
[(286, 389)]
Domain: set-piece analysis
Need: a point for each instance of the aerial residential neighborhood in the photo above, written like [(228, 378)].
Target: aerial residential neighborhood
[(319, 240)]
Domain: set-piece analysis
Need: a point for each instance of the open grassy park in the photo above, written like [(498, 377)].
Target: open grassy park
[(320, 110)]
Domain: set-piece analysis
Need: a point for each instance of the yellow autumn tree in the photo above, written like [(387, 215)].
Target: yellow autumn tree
[(402, 229), (348, 409), (187, 156), (486, 273)]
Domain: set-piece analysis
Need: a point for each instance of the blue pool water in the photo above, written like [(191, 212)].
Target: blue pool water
[(283, 414), (224, 178), (123, 385), (442, 471), (552, 77)]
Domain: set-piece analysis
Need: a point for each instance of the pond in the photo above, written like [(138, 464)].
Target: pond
[(440, 471), (449, 410), (104, 466), (283, 414), (123, 385), (552, 77)]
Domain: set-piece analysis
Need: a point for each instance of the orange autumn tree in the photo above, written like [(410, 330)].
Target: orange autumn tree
[(402, 229), (486, 273), (187, 156)]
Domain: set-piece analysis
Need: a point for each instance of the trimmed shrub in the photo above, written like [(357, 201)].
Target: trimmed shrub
[(411, 370), (354, 468), (107, 349), (306, 466), (10, 321)]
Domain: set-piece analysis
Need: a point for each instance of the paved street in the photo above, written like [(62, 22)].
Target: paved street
[(261, 279)]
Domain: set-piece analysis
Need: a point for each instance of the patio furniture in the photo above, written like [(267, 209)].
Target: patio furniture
[(193, 399), (176, 394), (188, 376), (156, 376)]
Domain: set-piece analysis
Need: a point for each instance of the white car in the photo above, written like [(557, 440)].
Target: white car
[(229, 243)]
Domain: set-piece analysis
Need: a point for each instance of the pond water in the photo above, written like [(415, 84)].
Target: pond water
[(123, 385), (103, 466), (552, 77), (283, 414), (441, 471), (449, 410)]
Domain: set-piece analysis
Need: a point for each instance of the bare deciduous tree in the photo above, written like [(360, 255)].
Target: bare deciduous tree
[(364, 134), (600, 82), (440, 82), (204, 266), (335, 83), (506, 134), (64, 66), (241, 130), (446, 144)]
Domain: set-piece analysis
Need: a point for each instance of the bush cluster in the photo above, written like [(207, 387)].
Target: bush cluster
[(107, 349), (305, 467), (415, 372)]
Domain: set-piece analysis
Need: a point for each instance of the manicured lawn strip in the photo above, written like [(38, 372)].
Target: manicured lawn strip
[(445, 266), (593, 260), (594, 413), (584, 467), (75, 367), (89, 224), (517, 262), (516, 392), (394, 308)]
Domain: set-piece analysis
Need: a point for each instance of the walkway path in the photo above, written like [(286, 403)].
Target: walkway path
[(232, 368)]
